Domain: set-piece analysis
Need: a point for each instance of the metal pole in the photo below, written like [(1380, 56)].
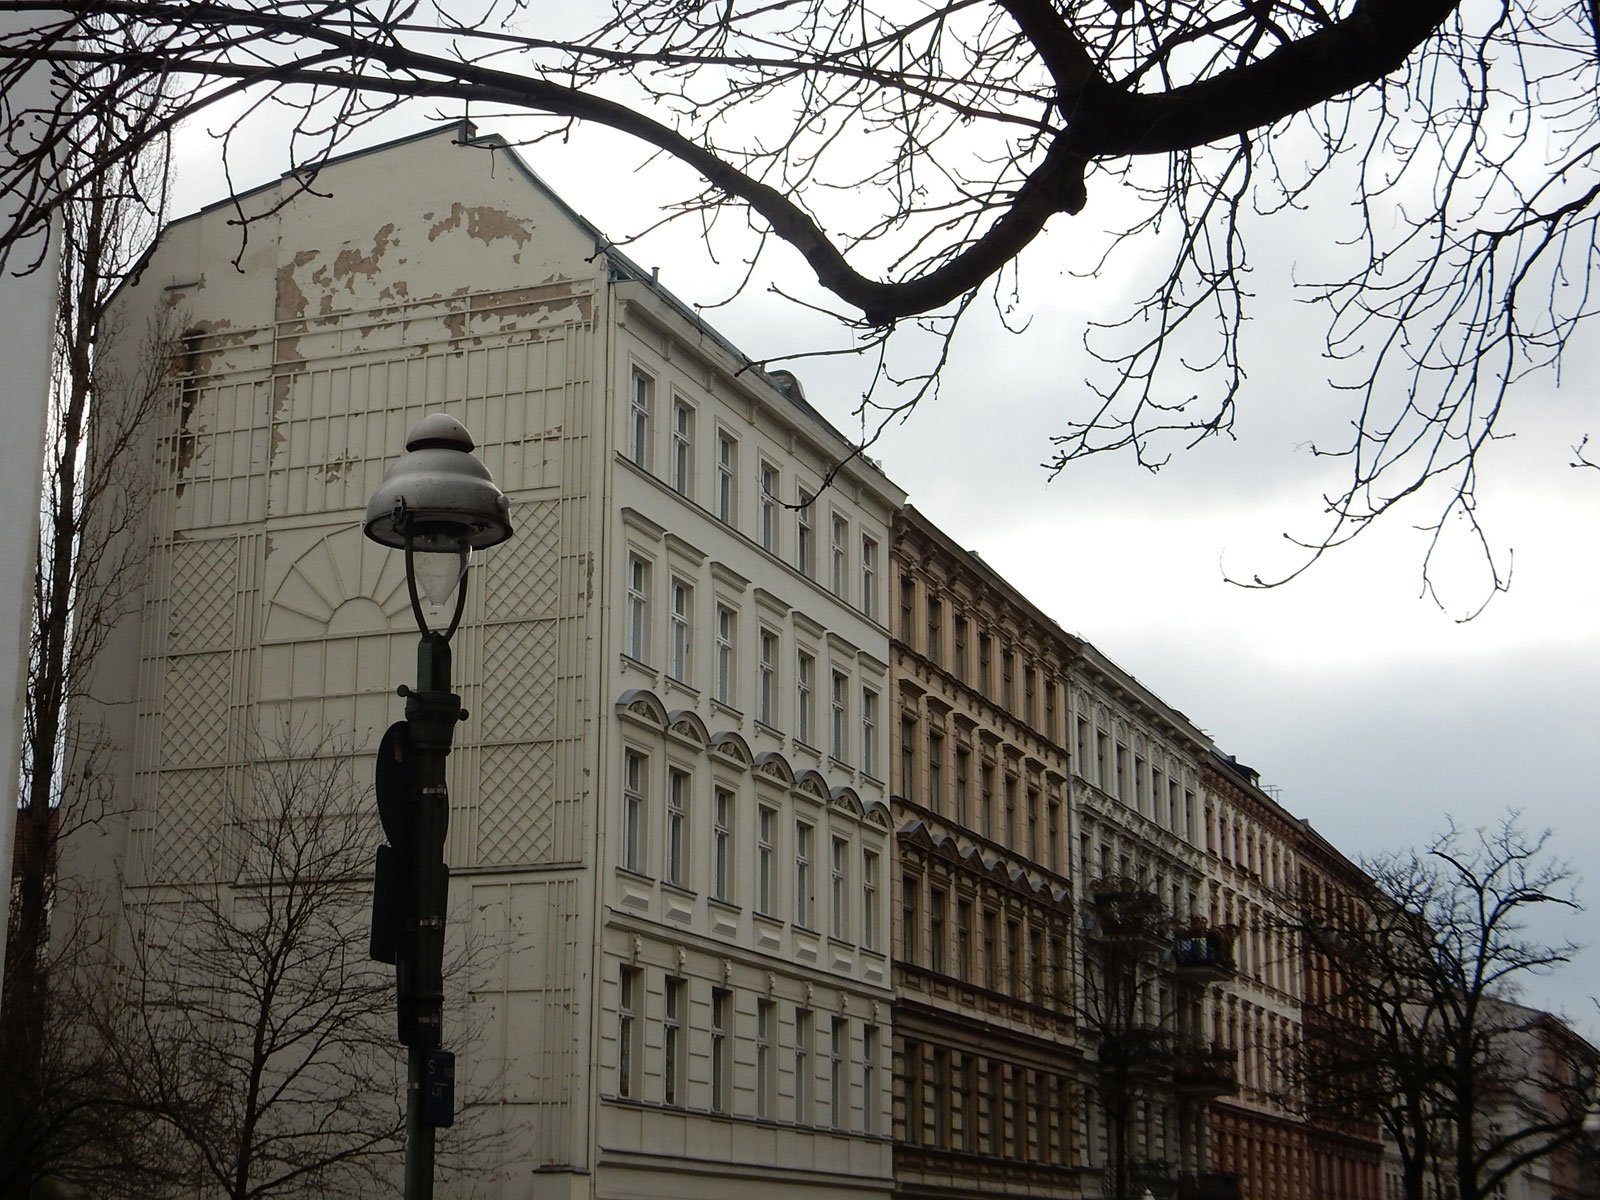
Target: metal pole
[(432, 711)]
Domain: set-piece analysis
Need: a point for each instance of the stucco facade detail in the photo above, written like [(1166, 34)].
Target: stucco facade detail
[(690, 990)]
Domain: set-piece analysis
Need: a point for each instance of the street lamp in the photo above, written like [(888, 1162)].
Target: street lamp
[(438, 504)]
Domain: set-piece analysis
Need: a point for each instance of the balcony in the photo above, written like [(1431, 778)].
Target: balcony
[(1202, 955), (1144, 1177), (1205, 1069), (1210, 1186), (1124, 913), (1141, 1052)]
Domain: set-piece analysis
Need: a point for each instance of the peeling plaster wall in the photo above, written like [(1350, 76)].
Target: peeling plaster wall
[(430, 275), (427, 277)]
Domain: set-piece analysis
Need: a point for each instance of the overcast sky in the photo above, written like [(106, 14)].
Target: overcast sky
[(1367, 710)]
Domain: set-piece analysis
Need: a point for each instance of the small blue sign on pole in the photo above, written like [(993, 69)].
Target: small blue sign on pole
[(438, 1088)]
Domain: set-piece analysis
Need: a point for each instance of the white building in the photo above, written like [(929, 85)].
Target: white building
[(668, 805)]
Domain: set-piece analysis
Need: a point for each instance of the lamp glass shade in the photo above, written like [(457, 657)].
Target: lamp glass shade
[(439, 573)]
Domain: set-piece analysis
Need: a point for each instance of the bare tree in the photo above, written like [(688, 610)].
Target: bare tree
[(254, 1030), (1425, 1035), (911, 153), (53, 1106)]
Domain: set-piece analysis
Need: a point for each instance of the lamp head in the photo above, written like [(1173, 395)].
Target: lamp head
[(438, 496), (438, 504)]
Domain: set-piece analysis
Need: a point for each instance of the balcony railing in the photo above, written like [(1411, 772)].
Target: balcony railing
[(1209, 1186), (1205, 1069), (1203, 955), (1139, 1051), (1142, 1177), (1123, 910)]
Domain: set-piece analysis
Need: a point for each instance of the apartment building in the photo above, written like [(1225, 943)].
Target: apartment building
[(1056, 959), (990, 1072), (1260, 1132), (670, 809)]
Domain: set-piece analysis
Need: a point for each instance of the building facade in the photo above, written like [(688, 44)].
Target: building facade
[(811, 855), (1059, 960), (669, 808)]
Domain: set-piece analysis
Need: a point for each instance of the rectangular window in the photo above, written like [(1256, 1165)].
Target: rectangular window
[(805, 552), (958, 658), (1008, 665), (1122, 773), (722, 844), (869, 1079), (766, 1074), (839, 891), (1033, 823), (678, 786), (672, 1039), (802, 1066), (869, 577), (1030, 714), (986, 798), (997, 1129), (935, 644), (804, 898), (908, 756), (727, 665), (910, 918), (1052, 829), (1014, 957), (936, 772), (1050, 709), (838, 557), (913, 1073), (908, 607), (837, 1049), (985, 665), (682, 448), (767, 701), (939, 1096), (1102, 761), (630, 993), (869, 899), (805, 676), (727, 479), (991, 951), (869, 732), (721, 1055), (964, 939), (770, 507), (637, 641), (1011, 811), (936, 907), (1083, 749), (963, 784), (1139, 784), (766, 830), (642, 394), (1036, 966), (838, 744), (678, 652), (635, 775)]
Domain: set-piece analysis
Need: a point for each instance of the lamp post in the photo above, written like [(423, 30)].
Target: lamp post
[(438, 504)]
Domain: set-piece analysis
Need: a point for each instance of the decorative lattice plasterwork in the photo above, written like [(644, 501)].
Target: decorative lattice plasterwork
[(200, 593), (522, 577), (194, 710), (189, 819), (518, 819), (519, 663)]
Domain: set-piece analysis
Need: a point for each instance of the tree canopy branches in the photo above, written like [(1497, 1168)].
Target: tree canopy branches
[(911, 152)]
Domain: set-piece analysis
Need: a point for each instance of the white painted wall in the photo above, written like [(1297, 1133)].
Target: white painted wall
[(27, 308)]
